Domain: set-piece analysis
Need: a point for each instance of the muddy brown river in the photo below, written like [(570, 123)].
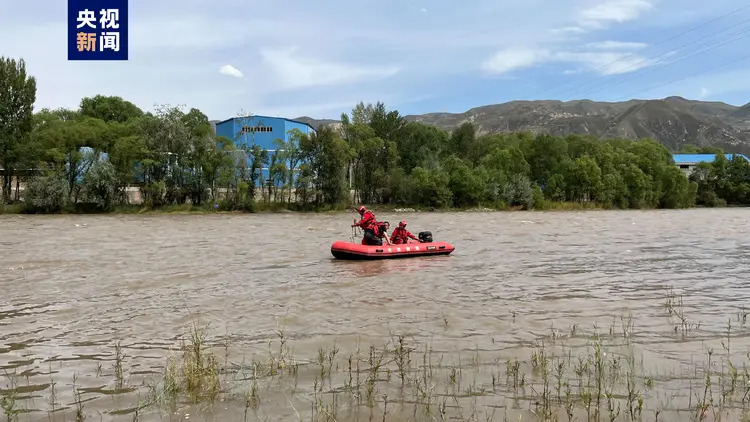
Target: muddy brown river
[(600, 315)]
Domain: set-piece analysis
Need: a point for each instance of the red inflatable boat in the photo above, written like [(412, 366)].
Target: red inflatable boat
[(349, 250)]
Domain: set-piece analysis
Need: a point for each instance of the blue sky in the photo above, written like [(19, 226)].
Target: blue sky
[(294, 58)]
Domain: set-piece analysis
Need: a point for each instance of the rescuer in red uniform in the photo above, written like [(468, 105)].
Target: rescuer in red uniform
[(401, 235), (369, 224)]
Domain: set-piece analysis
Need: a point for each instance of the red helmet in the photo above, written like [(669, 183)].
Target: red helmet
[(361, 209), (402, 224)]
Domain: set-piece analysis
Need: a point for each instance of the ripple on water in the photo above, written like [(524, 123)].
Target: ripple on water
[(92, 281)]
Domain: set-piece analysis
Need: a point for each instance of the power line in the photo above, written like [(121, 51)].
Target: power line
[(686, 77), (635, 67), (657, 44), (680, 58)]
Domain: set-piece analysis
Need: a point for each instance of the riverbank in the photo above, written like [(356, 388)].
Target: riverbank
[(261, 207)]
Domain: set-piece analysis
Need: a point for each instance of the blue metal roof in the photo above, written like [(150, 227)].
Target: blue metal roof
[(697, 158), (266, 117)]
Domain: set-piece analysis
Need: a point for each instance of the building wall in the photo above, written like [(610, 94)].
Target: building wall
[(302, 127), (687, 168), (260, 130)]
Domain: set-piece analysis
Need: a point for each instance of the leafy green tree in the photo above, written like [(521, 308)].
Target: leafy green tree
[(72, 142), (361, 115), (467, 186), (638, 183), (581, 145), (109, 108), (483, 145), (289, 153), (323, 174), (430, 188), (676, 191), (396, 188), (738, 180), (614, 190), (462, 141), (47, 193), (277, 173), (108, 144), (201, 157), (546, 156), (556, 188), (518, 191), (101, 186), (17, 97), (584, 181), (375, 157), (703, 178), (163, 135), (387, 125), (689, 149), (722, 181), (420, 146), (537, 196), (260, 159), (509, 161), (124, 156)]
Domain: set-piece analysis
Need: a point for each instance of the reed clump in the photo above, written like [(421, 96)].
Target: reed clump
[(193, 373), (586, 372)]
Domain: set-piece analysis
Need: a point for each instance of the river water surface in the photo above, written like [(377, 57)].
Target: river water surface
[(71, 287)]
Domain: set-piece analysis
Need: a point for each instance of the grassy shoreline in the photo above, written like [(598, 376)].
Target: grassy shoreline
[(271, 208), (263, 208)]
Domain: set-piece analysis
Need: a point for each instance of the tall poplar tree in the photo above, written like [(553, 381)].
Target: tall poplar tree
[(17, 97)]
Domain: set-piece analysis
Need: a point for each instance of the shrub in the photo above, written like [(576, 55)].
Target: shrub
[(48, 193), (518, 191)]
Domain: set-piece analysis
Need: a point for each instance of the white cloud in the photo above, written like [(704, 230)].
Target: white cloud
[(314, 110), (616, 45), (291, 71), (230, 70), (606, 63), (704, 93), (348, 58), (603, 62), (568, 29), (605, 13), (605, 57), (614, 11), (514, 58)]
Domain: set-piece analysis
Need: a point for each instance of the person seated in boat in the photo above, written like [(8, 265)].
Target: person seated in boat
[(382, 231), (369, 225), (401, 235)]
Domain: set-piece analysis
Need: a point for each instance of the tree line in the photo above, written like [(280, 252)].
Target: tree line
[(87, 157)]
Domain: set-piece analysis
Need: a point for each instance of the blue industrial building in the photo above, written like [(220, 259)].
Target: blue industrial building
[(262, 131), (688, 162)]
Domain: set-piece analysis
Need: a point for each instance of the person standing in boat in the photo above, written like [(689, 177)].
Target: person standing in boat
[(369, 224), (401, 235)]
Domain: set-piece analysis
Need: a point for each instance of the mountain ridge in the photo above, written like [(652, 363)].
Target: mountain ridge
[(674, 121)]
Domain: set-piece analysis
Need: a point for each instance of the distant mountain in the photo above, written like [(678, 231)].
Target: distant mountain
[(673, 121), (316, 123), (742, 112)]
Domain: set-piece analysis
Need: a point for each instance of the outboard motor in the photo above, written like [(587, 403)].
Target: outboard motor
[(425, 237)]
